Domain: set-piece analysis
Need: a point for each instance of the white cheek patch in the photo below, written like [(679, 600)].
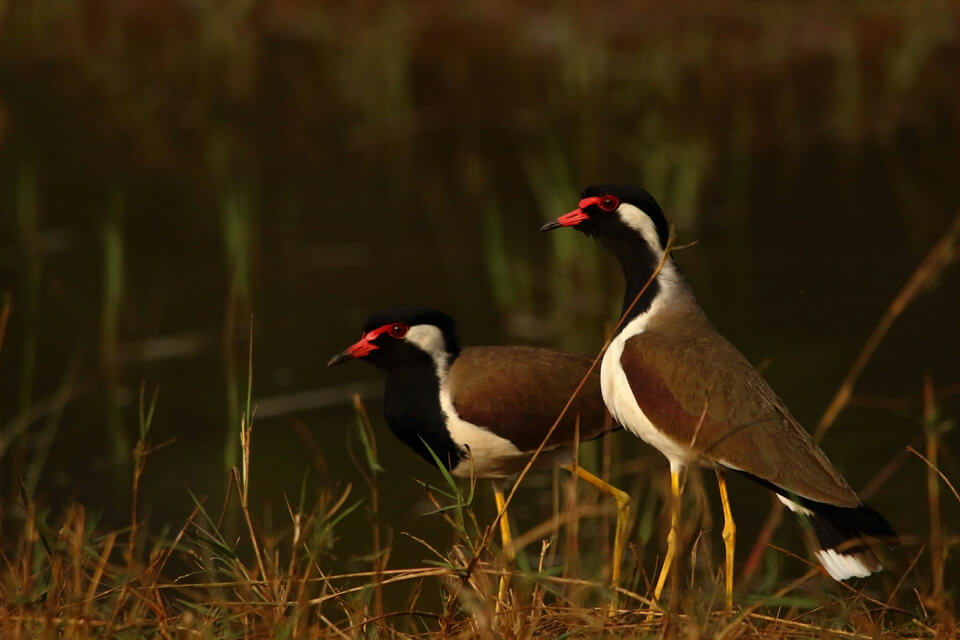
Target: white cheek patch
[(640, 222), (430, 340), (636, 219)]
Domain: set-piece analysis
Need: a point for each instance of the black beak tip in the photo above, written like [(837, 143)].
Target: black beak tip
[(550, 226), (343, 356)]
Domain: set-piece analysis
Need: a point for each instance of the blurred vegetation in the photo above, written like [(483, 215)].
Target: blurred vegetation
[(172, 172)]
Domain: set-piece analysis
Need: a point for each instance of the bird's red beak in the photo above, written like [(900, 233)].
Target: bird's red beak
[(361, 348), (573, 218)]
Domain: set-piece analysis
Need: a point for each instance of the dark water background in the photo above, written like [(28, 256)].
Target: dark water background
[(168, 170)]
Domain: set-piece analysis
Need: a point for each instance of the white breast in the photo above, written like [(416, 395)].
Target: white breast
[(620, 401), (490, 455)]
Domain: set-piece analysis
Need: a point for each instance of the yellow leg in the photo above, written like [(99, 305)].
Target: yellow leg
[(672, 536), (507, 541), (729, 537), (623, 518)]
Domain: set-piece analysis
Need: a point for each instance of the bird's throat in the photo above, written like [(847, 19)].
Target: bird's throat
[(411, 406), (638, 262)]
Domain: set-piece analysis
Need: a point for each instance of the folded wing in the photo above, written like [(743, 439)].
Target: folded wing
[(702, 392), (518, 393)]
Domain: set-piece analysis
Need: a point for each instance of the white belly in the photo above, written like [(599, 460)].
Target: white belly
[(620, 401)]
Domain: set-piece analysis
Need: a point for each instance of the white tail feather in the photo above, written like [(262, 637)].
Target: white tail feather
[(842, 566)]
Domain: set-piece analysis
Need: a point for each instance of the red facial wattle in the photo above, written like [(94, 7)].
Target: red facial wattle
[(588, 202), (607, 203), (365, 345)]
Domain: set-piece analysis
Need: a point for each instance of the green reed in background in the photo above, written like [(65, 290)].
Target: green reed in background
[(28, 227), (111, 304), (237, 231), (575, 277)]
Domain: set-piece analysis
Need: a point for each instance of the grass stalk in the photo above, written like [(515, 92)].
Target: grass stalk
[(140, 452), (932, 433), (940, 256), (488, 533), (5, 304), (369, 442), (112, 291), (943, 253), (28, 227), (242, 476), (236, 228)]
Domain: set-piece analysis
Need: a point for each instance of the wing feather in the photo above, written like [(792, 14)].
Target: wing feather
[(518, 392), (702, 392)]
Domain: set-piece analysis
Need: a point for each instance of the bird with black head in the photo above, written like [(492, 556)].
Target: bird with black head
[(484, 411), (671, 379)]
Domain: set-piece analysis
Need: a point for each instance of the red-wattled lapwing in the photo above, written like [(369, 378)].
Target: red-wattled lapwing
[(483, 410), (671, 379)]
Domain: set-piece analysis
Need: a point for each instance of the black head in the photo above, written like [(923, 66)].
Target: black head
[(402, 335), (612, 210)]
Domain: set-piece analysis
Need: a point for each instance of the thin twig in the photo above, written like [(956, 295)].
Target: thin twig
[(941, 255), (4, 317), (487, 534), (98, 573), (940, 473)]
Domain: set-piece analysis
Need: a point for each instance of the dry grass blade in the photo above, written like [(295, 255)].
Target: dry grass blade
[(4, 317), (940, 256), (732, 626), (937, 259), (98, 573), (939, 473)]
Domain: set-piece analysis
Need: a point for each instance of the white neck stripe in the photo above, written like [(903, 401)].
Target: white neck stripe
[(429, 339)]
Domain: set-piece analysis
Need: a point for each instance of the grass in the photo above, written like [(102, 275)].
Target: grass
[(64, 576)]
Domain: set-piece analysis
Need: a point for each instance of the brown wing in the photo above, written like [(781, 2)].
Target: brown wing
[(701, 391), (518, 392)]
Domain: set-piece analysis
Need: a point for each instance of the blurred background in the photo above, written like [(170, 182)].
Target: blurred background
[(170, 170)]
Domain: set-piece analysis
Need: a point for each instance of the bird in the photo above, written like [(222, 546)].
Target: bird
[(483, 411), (669, 377)]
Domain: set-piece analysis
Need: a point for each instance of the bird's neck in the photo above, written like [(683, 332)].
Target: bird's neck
[(413, 412), (667, 303), (639, 261)]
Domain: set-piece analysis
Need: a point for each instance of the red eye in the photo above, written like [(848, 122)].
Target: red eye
[(398, 330), (608, 203)]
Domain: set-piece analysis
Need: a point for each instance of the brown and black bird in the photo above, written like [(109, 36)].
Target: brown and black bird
[(670, 378), (484, 411)]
